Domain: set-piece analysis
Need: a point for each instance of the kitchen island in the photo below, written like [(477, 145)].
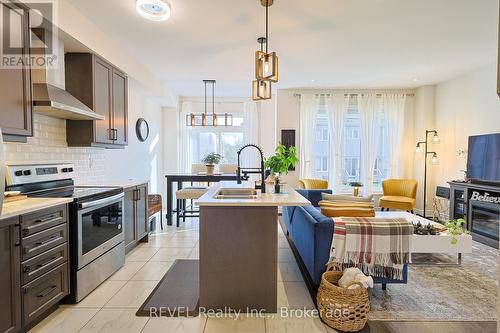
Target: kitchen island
[(239, 248)]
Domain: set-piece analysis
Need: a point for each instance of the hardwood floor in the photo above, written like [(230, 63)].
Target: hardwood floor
[(429, 327)]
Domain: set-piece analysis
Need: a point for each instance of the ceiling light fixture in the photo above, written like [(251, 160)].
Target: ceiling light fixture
[(261, 88), (154, 10), (266, 64), (206, 119)]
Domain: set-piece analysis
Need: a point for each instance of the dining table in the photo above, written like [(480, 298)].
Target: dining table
[(181, 178)]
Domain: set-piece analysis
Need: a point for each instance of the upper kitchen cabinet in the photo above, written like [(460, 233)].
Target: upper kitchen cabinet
[(15, 82), (103, 88)]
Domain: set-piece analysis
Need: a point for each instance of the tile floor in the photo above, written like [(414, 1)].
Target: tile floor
[(112, 306)]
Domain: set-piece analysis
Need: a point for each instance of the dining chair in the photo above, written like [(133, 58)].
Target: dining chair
[(228, 168)]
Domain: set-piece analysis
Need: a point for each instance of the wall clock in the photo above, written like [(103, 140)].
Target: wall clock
[(142, 129)]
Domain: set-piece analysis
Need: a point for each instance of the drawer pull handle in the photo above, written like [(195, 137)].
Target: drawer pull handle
[(50, 239), (39, 245), (27, 269), (48, 218), (48, 262), (46, 291)]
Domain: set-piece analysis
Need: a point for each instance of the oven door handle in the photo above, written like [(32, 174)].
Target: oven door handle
[(101, 201)]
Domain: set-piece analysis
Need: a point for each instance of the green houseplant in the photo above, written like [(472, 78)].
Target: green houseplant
[(455, 228), (280, 162), (211, 160)]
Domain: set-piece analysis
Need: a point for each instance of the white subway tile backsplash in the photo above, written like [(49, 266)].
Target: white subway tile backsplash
[(49, 145)]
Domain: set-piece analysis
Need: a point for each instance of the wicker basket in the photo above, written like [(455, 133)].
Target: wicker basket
[(341, 308)]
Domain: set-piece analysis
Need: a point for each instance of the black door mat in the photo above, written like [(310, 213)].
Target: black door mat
[(177, 294)]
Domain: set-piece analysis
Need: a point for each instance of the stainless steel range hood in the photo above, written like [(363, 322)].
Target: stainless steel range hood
[(50, 97), (56, 102)]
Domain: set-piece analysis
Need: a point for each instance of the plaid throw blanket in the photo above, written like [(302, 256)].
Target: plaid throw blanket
[(378, 246)]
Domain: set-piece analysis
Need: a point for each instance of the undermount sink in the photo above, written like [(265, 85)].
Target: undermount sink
[(236, 193)]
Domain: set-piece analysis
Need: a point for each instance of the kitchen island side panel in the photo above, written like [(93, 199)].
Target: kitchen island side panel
[(238, 258)]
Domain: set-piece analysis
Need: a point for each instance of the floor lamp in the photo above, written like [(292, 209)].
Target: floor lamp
[(434, 160)]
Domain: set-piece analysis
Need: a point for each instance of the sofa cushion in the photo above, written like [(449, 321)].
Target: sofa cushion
[(339, 197), (396, 202)]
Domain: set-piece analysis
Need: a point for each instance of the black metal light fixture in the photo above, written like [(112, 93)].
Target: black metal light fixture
[(209, 119), (434, 159)]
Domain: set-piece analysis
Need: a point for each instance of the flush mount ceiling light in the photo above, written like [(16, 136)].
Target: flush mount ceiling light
[(205, 119), (154, 10)]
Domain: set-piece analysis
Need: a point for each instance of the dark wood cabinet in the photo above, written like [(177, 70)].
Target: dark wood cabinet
[(129, 227), (104, 89), (15, 83), (141, 211), (120, 97), (136, 215), (10, 279)]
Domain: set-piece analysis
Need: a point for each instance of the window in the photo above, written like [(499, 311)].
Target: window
[(321, 145), (321, 164), (322, 133), (222, 140), (351, 149)]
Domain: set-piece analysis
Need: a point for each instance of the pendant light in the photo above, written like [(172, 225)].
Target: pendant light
[(266, 64), (205, 119), (261, 88)]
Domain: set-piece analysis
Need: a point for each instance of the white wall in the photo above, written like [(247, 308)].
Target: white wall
[(466, 105), (139, 160)]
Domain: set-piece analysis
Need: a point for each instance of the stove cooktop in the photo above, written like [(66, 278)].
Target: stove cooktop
[(79, 193)]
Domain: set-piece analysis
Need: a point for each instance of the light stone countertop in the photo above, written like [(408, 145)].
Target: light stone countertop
[(123, 184), (29, 205), (290, 197)]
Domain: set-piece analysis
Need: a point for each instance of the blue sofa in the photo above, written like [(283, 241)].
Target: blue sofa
[(311, 236)]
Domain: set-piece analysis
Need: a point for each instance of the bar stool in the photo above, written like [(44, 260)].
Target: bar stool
[(188, 193)]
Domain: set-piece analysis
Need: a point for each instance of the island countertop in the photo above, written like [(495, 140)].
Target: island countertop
[(289, 197)]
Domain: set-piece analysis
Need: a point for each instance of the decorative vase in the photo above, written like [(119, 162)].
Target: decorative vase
[(277, 186), (210, 169)]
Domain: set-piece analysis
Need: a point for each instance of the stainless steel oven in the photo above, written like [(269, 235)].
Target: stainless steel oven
[(100, 227)]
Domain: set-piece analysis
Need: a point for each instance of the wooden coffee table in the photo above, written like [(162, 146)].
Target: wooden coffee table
[(437, 244)]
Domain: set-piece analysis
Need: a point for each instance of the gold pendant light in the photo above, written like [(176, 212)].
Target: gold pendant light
[(205, 119), (266, 63), (261, 88)]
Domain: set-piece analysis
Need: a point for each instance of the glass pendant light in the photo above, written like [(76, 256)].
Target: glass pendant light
[(266, 64)]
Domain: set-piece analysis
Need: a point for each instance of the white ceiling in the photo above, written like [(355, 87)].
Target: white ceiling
[(321, 43)]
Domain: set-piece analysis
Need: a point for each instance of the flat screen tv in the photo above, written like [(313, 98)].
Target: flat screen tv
[(483, 162)]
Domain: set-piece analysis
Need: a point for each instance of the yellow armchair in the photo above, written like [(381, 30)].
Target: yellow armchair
[(399, 194), (313, 184)]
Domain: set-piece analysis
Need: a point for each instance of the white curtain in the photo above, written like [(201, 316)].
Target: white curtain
[(394, 109), (185, 152), (250, 133), (336, 106), (370, 121), (309, 105)]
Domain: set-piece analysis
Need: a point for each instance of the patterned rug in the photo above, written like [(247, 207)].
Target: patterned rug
[(445, 293)]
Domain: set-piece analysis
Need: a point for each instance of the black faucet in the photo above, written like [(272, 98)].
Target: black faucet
[(247, 171)]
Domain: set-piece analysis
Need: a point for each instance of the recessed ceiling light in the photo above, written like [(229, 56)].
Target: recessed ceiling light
[(415, 79), (154, 10), (312, 81)]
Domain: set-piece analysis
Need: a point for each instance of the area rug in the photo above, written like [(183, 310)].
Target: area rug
[(177, 294), (466, 292)]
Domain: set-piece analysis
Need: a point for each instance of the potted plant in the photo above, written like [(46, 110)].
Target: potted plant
[(280, 162), (211, 160), (455, 228)]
